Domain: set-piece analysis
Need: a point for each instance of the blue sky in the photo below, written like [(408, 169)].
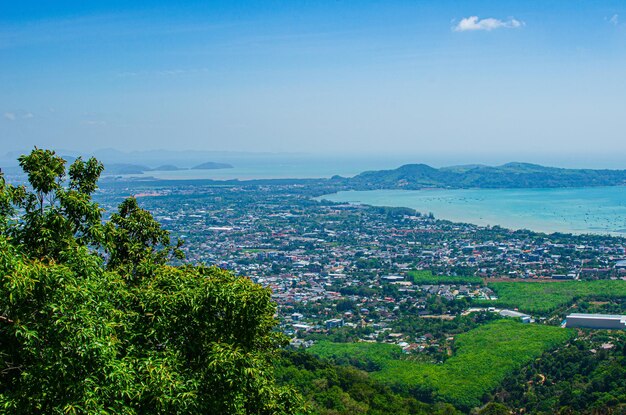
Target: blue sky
[(483, 79)]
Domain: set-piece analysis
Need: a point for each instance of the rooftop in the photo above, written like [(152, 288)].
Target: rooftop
[(599, 316), (511, 313)]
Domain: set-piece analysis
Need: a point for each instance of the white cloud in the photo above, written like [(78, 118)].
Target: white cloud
[(614, 19), (474, 23), (18, 115)]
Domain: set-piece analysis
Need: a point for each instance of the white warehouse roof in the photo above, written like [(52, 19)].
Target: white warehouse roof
[(596, 321), (598, 316)]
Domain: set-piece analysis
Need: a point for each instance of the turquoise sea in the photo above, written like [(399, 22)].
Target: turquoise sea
[(600, 210)]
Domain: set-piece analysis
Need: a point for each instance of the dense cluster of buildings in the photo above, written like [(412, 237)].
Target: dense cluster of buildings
[(332, 265)]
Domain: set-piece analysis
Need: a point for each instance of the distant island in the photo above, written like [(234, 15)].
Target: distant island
[(510, 175), (210, 165), (124, 168), (421, 176), (168, 167), (127, 168)]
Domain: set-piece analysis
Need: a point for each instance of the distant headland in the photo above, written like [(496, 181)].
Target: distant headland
[(510, 175)]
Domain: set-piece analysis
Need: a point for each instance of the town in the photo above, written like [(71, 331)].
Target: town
[(360, 271)]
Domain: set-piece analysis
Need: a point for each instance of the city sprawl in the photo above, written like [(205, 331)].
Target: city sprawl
[(366, 269)]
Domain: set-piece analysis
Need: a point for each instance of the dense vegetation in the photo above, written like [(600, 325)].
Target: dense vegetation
[(345, 390), (441, 328), (94, 320), (587, 376), (511, 175), (545, 297), (426, 277), (368, 356), (482, 359)]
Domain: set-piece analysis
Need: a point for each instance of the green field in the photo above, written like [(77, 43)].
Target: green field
[(427, 277), (483, 358), (545, 297)]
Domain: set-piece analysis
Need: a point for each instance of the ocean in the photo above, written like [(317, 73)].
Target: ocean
[(599, 210)]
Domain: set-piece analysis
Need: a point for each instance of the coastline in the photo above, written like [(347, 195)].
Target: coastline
[(587, 210)]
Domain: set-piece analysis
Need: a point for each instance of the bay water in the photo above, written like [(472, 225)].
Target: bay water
[(600, 210)]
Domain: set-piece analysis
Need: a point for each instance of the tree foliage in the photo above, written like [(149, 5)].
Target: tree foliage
[(344, 390), (135, 241), (93, 319), (57, 215), (587, 376), (482, 359)]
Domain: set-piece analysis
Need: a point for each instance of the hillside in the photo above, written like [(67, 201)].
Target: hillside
[(510, 175), (467, 376)]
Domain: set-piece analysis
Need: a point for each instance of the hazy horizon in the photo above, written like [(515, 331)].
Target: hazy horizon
[(187, 158)]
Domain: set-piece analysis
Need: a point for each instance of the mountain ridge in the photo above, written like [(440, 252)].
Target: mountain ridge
[(509, 175)]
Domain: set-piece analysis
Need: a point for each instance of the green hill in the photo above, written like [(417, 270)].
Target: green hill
[(483, 358), (510, 175)]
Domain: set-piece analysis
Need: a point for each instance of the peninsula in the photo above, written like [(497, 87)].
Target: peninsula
[(510, 175)]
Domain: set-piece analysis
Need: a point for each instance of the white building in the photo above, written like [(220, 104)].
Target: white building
[(525, 318), (596, 321)]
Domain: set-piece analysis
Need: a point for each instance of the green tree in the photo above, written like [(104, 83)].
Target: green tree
[(57, 215), (494, 408), (9, 197), (135, 241), (123, 332)]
